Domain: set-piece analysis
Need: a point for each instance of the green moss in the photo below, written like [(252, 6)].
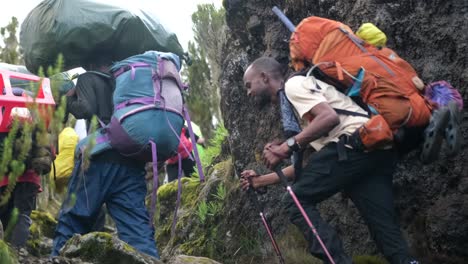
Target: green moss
[(294, 246), (214, 146), (93, 245), (45, 223), (129, 248), (34, 239), (200, 238), (189, 187), (191, 259), (167, 189), (7, 255)]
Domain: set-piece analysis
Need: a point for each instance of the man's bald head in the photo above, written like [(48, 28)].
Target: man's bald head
[(267, 65), (262, 79)]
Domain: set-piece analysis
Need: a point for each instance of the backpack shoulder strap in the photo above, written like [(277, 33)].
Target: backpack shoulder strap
[(108, 77), (102, 74)]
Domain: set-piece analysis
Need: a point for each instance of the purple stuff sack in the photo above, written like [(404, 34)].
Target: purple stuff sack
[(441, 93)]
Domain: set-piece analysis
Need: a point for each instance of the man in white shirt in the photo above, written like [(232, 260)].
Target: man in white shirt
[(365, 177)]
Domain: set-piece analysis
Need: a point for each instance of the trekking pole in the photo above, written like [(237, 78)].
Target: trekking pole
[(284, 18), (254, 200), (284, 180)]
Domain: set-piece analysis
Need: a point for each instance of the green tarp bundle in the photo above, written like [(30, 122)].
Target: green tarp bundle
[(85, 31)]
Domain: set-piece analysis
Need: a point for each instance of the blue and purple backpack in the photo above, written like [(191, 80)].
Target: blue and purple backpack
[(149, 111)]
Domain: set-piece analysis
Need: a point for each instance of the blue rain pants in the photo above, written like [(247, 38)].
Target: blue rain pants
[(122, 188)]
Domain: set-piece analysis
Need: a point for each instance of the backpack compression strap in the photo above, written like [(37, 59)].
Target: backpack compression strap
[(194, 144), (154, 194), (358, 43), (166, 70), (179, 191)]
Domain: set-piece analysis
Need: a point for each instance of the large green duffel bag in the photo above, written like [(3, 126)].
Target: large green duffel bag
[(85, 31)]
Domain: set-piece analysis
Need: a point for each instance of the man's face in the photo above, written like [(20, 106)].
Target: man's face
[(258, 87)]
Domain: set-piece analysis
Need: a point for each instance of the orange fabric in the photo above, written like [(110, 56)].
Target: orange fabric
[(336, 45), (309, 35), (394, 97), (376, 133), (384, 96)]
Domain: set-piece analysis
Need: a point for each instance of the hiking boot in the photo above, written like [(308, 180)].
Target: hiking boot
[(453, 136), (434, 134)]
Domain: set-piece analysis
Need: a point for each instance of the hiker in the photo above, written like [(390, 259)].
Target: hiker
[(148, 86), (111, 178), (185, 149), (337, 165), (24, 195), (92, 96)]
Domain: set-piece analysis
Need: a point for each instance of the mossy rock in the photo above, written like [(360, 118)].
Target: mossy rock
[(42, 228), (194, 236), (7, 255), (184, 259), (45, 222), (189, 189), (104, 248)]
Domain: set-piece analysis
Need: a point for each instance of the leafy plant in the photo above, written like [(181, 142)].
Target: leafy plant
[(202, 211), (214, 208), (214, 145), (221, 192)]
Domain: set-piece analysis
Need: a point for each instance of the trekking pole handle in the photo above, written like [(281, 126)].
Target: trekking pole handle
[(281, 175), (284, 18)]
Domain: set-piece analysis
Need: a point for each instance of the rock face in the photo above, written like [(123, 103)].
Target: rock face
[(433, 36)]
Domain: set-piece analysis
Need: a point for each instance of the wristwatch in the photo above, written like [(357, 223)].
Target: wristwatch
[(292, 144)]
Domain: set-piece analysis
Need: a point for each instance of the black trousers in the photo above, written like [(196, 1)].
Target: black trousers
[(24, 198), (188, 167), (364, 177)]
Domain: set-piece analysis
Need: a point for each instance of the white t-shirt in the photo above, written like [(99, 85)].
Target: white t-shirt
[(80, 128), (306, 92)]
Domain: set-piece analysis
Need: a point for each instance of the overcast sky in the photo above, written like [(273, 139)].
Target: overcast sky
[(174, 14)]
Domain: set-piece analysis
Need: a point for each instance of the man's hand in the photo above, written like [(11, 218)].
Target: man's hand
[(273, 154), (248, 179)]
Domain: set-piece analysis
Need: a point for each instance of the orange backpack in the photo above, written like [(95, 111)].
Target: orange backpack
[(387, 85)]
